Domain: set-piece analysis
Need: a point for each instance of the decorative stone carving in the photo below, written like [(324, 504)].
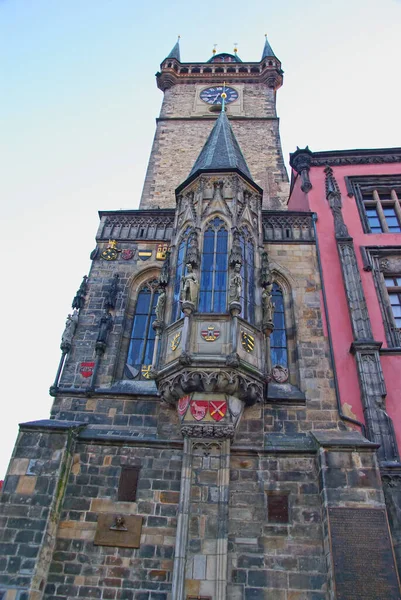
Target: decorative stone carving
[(300, 160), (355, 295), (192, 256), (165, 271), (390, 265), (69, 331), (79, 298), (111, 294), (280, 225), (379, 425), (176, 386), (161, 305), (236, 250), (279, 374), (392, 494), (333, 196), (189, 286), (155, 225), (265, 274), (384, 264), (235, 289), (106, 323), (95, 253), (232, 360), (195, 430), (268, 305), (369, 159)]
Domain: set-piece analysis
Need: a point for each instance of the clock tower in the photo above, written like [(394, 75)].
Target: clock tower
[(197, 449), (191, 103)]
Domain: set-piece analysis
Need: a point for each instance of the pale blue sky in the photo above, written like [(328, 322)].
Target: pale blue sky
[(78, 102)]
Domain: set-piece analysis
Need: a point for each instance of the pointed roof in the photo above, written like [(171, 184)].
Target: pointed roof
[(267, 50), (175, 52), (221, 153)]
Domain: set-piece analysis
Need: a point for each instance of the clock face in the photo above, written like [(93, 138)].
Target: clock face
[(212, 95)]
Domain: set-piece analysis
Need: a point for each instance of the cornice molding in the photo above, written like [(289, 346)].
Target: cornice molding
[(356, 157)]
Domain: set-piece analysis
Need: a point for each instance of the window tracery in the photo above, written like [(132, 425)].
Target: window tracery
[(214, 268), (142, 339), (278, 338), (248, 276), (179, 272)]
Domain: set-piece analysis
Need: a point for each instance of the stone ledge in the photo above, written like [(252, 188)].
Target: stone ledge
[(343, 439), (52, 424), (284, 393), (109, 435)]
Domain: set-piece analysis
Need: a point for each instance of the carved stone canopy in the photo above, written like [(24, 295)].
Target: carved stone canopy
[(242, 386)]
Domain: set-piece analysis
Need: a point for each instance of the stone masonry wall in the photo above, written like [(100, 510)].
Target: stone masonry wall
[(129, 416), (177, 144), (258, 101), (270, 560), (81, 570), (29, 510), (131, 274)]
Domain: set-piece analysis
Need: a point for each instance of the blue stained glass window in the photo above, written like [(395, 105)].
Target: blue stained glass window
[(278, 338), (248, 276), (142, 342), (182, 250), (213, 286)]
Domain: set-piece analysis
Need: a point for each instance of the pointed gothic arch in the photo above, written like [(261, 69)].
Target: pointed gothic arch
[(137, 338), (283, 340)]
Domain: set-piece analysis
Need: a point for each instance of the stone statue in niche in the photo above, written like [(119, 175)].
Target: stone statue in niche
[(189, 286), (79, 298), (111, 294), (165, 271), (70, 328), (106, 323), (236, 250), (192, 256), (235, 290), (265, 274), (267, 304), (161, 305)]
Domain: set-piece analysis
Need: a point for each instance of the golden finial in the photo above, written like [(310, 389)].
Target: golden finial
[(235, 47), (214, 48)]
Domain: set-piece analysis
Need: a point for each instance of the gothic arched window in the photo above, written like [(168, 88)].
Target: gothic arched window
[(278, 338), (140, 352), (248, 276), (213, 286), (179, 271)]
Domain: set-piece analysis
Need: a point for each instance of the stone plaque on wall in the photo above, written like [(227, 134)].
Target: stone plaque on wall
[(364, 567), (123, 531)]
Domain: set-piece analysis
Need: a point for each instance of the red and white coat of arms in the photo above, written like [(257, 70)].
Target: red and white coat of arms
[(199, 409), (86, 369)]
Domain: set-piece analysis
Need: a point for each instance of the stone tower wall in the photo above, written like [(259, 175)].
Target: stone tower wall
[(182, 131)]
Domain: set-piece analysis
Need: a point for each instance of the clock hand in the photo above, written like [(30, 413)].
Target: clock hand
[(214, 101)]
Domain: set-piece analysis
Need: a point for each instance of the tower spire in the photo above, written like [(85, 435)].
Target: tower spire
[(267, 50), (221, 153), (175, 52)]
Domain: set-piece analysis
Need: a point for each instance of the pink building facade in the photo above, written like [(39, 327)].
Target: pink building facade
[(355, 196)]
